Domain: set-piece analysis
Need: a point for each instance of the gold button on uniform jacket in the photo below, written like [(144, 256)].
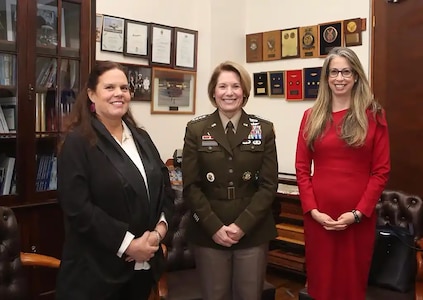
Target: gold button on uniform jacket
[(224, 184)]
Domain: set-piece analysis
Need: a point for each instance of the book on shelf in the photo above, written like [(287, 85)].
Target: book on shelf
[(7, 165), (9, 108), (290, 233), (3, 123), (46, 173), (7, 69)]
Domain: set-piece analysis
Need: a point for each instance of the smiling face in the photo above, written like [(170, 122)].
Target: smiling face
[(341, 85), (111, 96), (228, 93)]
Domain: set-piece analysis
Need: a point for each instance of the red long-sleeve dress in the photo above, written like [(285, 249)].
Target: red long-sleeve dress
[(344, 178)]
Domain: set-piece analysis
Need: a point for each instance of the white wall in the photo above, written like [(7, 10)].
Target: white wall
[(222, 26)]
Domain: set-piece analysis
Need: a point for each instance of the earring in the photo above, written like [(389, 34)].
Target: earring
[(355, 80), (92, 107)]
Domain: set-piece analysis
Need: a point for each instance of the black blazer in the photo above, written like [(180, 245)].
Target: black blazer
[(103, 195)]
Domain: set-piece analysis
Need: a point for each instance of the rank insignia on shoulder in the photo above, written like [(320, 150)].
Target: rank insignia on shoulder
[(199, 118)]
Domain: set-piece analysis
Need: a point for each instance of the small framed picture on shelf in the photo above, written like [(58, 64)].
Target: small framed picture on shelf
[(139, 78), (98, 27), (161, 45), (173, 91), (137, 36), (112, 36), (186, 49)]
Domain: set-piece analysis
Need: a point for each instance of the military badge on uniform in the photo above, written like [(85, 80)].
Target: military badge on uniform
[(246, 176), (210, 177)]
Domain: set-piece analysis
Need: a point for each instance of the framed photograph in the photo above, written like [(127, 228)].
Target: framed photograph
[(161, 45), (173, 91), (98, 27), (112, 35), (47, 24), (139, 78), (137, 36), (276, 83), (289, 38), (185, 49)]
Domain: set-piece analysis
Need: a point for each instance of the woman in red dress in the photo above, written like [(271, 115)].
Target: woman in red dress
[(342, 164)]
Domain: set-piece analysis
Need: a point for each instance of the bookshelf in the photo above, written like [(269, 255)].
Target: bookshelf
[(287, 249), (47, 48)]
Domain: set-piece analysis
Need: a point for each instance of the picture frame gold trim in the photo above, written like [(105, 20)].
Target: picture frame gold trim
[(174, 91), (276, 84)]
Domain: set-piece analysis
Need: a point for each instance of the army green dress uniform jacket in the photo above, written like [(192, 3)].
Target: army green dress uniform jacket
[(224, 184)]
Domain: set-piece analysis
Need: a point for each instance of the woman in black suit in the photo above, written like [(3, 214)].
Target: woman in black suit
[(115, 194)]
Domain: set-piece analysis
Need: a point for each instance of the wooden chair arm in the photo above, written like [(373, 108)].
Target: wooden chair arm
[(419, 256), (34, 259), (162, 284)]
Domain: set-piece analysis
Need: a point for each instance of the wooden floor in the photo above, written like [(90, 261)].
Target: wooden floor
[(287, 284)]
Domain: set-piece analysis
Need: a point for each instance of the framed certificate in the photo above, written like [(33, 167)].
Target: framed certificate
[(98, 27), (161, 45), (289, 38), (185, 49), (113, 34), (330, 36), (294, 84), (272, 45), (137, 35), (352, 30), (311, 82), (173, 91), (309, 42), (260, 84), (254, 47), (277, 83)]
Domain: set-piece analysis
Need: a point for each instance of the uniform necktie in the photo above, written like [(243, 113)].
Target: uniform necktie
[(230, 135)]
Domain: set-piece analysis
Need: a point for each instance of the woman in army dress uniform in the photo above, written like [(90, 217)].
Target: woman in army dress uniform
[(230, 177)]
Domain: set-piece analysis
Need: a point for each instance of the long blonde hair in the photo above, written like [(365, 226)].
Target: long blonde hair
[(355, 123)]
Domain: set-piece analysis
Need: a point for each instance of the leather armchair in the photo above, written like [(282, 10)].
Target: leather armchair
[(180, 281), (13, 284), (401, 209)]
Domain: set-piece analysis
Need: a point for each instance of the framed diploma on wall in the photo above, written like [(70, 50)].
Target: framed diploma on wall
[(185, 41), (137, 36), (161, 45), (112, 36)]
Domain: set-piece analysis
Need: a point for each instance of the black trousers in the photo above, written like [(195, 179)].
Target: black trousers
[(137, 288)]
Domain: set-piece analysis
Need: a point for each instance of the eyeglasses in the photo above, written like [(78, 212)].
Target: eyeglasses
[(346, 73)]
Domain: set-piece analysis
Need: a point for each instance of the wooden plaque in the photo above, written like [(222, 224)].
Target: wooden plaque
[(276, 84), (352, 30), (272, 45), (254, 47), (260, 84), (311, 82), (289, 38), (309, 41)]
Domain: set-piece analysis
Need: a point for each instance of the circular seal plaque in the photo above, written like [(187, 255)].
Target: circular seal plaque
[(330, 34)]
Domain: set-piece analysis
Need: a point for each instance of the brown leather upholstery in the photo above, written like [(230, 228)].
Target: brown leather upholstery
[(397, 208), (12, 281), (180, 282)]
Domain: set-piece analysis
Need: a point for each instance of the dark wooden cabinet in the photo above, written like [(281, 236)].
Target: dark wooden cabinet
[(287, 250), (47, 49)]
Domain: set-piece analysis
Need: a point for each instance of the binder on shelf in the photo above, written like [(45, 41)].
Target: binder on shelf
[(3, 124)]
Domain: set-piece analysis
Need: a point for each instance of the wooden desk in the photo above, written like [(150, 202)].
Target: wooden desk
[(287, 250)]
